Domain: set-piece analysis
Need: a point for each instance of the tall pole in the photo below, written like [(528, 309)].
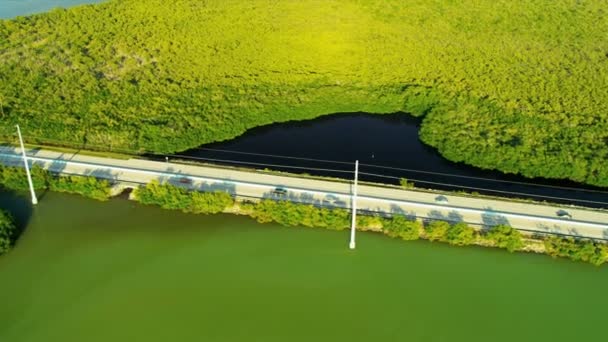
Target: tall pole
[(354, 215), (27, 168)]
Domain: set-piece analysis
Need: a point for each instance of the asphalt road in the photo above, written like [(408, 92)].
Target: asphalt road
[(422, 204)]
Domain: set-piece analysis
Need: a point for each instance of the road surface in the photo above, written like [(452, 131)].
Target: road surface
[(416, 203)]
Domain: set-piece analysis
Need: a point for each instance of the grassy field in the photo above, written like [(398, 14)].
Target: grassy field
[(518, 86)]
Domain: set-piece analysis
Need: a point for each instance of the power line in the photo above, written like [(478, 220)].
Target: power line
[(486, 179), (350, 163), (406, 170), (274, 156), (490, 190), (259, 164)]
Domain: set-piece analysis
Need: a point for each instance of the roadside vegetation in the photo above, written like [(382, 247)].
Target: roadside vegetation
[(168, 196), (518, 86), (7, 231), (577, 249), (292, 214), (14, 178)]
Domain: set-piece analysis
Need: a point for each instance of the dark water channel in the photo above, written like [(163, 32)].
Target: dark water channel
[(328, 146)]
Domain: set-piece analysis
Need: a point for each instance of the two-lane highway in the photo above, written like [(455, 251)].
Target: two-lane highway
[(422, 204)]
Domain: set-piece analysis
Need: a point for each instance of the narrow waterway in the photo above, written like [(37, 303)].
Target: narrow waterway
[(388, 148), (118, 271)]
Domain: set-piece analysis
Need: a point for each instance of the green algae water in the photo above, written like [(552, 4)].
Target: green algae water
[(117, 271)]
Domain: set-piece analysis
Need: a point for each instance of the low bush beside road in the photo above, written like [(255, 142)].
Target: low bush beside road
[(288, 213), (507, 237), (168, 196), (577, 249)]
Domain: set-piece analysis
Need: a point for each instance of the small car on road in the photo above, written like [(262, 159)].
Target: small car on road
[(185, 180), (441, 200), (279, 192), (563, 214)]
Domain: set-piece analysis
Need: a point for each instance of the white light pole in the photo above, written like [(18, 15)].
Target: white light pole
[(27, 168), (354, 205)]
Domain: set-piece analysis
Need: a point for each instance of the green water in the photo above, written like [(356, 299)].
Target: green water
[(117, 271)]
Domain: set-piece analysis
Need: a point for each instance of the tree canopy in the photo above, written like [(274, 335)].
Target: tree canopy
[(514, 85)]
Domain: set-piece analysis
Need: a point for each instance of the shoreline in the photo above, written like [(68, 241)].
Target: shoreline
[(286, 213), (530, 244)]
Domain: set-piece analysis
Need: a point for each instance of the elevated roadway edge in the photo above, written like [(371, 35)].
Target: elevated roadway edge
[(531, 217)]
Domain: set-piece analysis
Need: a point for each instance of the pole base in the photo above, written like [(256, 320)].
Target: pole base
[(351, 245)]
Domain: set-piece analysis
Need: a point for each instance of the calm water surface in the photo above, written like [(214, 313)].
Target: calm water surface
[(13, 8), (117, 271)]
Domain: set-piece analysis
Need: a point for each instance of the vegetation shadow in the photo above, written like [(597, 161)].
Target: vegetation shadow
[(397, 210), (490, 218), (106, 174), (33, 151), (304, 198), (170, 179), (227, 187), (452, 217)]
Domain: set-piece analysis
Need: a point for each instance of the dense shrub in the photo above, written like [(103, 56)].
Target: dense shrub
[(402, 228), (91, 187), (293, 214), (583, 250), (460, 234), (515, 86), (505, 236), (437, 230), (7, 231), (370, 222), (169, 196), (14, 178)]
